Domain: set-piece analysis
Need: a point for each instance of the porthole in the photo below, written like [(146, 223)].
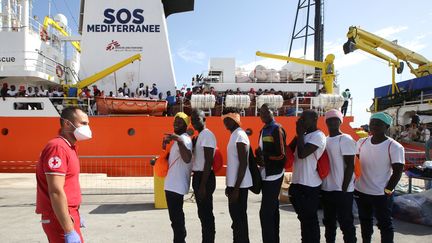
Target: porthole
[(5, 131), (131, 132)]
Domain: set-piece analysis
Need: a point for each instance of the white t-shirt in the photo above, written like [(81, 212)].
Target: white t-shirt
[(376, 161), (205, 139), (238, 136), (179, 172), (425, 135), (263, 170), (43, 93), (305, 170), (31, 94), (12, 93), (337, 147)]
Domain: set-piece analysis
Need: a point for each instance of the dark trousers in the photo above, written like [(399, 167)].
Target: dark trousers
[(337, 205), (269, 211), (305, 201), (176, 215), (381, 208), (205, 206), (344, 107), (238, 213)]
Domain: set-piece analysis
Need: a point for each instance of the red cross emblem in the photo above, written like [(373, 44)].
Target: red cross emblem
[(54, 162)]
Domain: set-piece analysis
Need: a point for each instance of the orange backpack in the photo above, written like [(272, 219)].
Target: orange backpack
[(289, 158), (217, 160), (162, 166), (323, 165)]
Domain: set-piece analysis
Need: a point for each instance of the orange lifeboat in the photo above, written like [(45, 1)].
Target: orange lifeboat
[(113, 105)]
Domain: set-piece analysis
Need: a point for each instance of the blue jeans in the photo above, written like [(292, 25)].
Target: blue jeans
[(176, 215), (305, 200), (381, 208), (269, 211), (428, 146), (337, 206)]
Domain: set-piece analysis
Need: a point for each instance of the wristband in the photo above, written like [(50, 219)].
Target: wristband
[(388, 192)]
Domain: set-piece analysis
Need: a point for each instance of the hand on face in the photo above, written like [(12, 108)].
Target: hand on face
[(300, 128)]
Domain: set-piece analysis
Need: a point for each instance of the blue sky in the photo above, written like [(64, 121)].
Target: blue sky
[(227, 28)]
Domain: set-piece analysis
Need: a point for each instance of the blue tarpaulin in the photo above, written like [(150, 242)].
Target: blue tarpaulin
[(415, 84)]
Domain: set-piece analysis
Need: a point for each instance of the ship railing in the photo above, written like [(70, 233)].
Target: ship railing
[(414, 158), (250, 76), (120, 174), (293, 106), (406, 98), (32, 62)]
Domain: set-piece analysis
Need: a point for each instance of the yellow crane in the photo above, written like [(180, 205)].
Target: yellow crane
[(49, 21), (102, 74), (327, 67), (371, 43)]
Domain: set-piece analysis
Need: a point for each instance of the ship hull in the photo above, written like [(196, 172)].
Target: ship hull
[(116, 140)]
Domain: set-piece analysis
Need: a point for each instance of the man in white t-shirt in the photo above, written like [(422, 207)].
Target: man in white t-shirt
[(30, 92), (382, 161), (12, 92), (425, 133), (238, 176), (271, 158), (337, 188), (305, 187), (204, 180), (177, 181)]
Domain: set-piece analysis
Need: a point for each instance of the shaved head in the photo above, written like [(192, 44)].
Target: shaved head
[(198, 119)]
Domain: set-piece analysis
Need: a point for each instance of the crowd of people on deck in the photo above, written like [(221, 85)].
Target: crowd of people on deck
[(146, 92), (259, 169), (31, 91)]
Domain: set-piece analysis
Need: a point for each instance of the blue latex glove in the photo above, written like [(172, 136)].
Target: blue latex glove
[(82, 222), (72, 237)]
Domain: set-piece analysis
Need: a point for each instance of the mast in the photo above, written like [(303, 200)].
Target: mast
[(305, 31)]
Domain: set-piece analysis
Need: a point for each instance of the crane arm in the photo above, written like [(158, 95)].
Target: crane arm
[(102, 74), (316, 64), (49, 21), (368, 42), (327, 67)]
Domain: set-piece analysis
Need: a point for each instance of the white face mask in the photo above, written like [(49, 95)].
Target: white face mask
[(81, 133)]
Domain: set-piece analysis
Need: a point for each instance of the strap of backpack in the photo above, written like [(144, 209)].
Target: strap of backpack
[(361, 145), (388, 150)]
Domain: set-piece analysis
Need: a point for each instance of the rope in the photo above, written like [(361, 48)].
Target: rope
[(70, 13)]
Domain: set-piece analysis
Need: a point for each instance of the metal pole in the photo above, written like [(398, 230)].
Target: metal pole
[(223, 101), (421, 97), (297, 106)]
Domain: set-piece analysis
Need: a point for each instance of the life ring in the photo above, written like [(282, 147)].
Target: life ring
[(44, 35), (59, 71)]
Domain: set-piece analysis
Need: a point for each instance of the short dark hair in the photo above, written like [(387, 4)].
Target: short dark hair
[(265, 105), (311, 112), (231, 110), (68, 113)]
